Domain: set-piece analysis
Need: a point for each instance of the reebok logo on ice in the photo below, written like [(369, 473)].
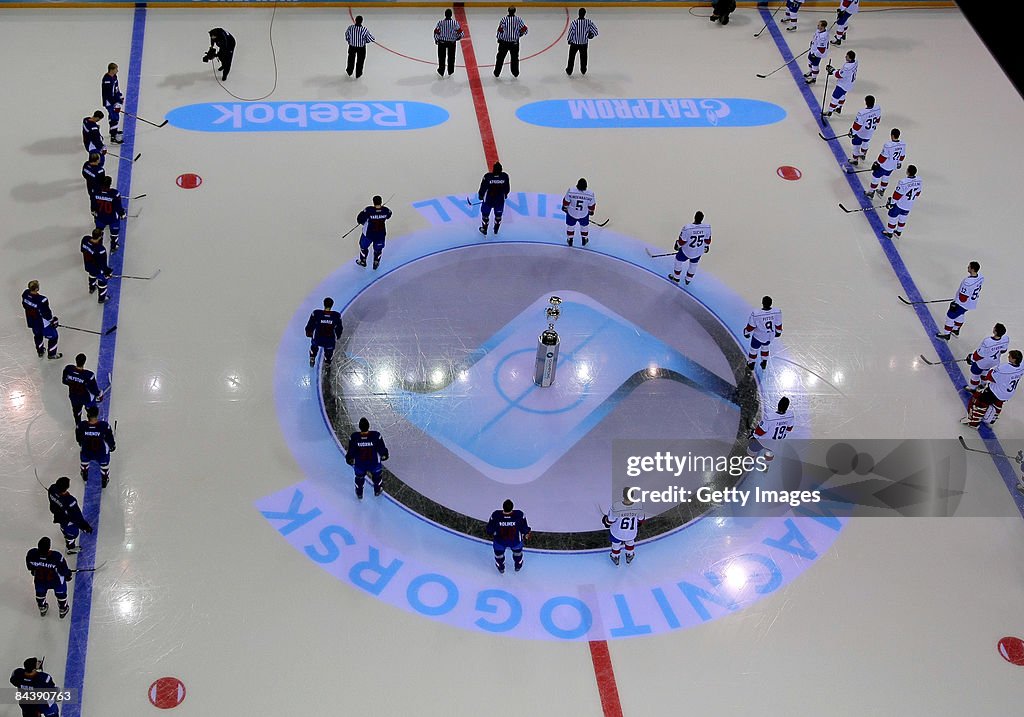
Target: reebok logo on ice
[(306, 116)]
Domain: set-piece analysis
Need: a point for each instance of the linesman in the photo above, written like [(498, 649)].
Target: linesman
[(446, 34), (510, 29), (581, 32), (357, 37)]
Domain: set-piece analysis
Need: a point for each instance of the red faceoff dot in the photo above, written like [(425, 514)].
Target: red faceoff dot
[(167, 692), (189, 181), (1012, 650), (789, 173)]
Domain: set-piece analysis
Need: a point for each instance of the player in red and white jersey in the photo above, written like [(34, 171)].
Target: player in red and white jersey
[(845, 77), (966, 299), (623, 521), (889, 160), (762, 326), (901, 202), (694, 242), (846, 10), (818, 51), (864, 126), (792, 8), (1002, 384), (579, 205), (987, 356), (772, 427)]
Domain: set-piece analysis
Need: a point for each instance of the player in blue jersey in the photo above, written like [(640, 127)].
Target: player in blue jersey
[(494, 189), (41, 320), (94, 258), (112, 99), (91, 137), (366, 451), (96, 441), (49, 572), (31, 678), (83, 391), (66, 513), (92, 171), (373, 219), (323, 329), (108, 210), (508, 530)]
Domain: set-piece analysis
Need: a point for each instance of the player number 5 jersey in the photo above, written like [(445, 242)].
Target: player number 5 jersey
[(579, 203), (625, 520)]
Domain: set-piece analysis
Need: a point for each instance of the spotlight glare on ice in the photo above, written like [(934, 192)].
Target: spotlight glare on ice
[(385, 378), (437, 377), (787, 379)]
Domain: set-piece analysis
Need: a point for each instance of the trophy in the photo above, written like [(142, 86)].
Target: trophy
[(547, 346)]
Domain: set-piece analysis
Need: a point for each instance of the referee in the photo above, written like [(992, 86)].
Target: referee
[(357, 38), (510, 29), (446, 34), (581, 32)]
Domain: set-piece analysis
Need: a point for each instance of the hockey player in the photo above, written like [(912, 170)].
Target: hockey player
[(623, 521), (1002, 382), (31, 678), (50, 572), (92, 172), (96, 441), (41, 320), (67, 514), (864, 125), (762, 326), (771, 427), (94, 258), (373, 219), (494, 189), (112, 100), (222, 47), (579, 206), (792, 8), (901, 202), (817, 53), (91, 137), (987, 356), (323, 329), (966, 299), (109, 211), (846, 10), (508, 530), (889, 159), (366, 453), (83, 391), (845, 77), (694, 242)]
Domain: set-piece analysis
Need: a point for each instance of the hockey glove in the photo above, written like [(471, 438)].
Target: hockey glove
[(875, 166), (87, 528), (952, 306), (54, 322), (829, 69), (350, 461), (889, 203)]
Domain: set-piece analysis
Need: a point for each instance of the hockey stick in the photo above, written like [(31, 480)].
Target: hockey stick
[(991, 453), (140, 119), (940, 363), (42, 661), (351, 230), (140, 196), (858, 171), (758, 33), (136, 215), (786, 65), (854, 211), (39, 481), (108, 332), (823, 94), (829, 139), (109, 153), (90, 570), (143, 278), (602, 224), (934, 301), (655, 256), (473, 204)]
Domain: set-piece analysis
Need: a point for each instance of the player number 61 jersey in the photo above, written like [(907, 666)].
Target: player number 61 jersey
[(624, 520)]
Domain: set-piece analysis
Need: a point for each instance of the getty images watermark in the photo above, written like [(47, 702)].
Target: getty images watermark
[(917, 478)]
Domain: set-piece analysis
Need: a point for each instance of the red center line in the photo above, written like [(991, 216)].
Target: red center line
[(605, 675), (483, 118)]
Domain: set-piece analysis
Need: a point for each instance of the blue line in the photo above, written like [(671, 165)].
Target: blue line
[(78, 639), (1004, 467)]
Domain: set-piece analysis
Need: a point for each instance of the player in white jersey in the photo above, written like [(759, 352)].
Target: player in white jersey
[(772, 427), (1002, 383), (845, 77), (901, 202), (579, 205), (694, 242), (817, 53), (966, 299), (762, 326), (792, 8), (846, 10), (864, 126), (889, 160), (623, 521), (987, 356)]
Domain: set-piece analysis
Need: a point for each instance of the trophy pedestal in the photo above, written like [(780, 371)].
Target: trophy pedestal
[(547, 359)]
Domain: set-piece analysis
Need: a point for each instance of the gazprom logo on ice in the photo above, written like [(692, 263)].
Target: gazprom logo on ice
[(306, 116), (652, 112)]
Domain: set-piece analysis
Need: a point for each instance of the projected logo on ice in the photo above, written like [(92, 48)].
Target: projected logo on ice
[(652, 112), (438, 353), (306, 116)]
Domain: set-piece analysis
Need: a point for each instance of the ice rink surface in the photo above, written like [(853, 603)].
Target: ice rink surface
[(219, 416)]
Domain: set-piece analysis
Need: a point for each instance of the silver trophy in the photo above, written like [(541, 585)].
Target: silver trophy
[(547, 346)]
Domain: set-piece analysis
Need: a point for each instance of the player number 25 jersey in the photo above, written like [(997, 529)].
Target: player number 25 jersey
[(692, 240)]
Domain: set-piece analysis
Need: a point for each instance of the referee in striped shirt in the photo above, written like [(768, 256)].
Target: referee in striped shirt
[(510, 29), (357, 38), (446, 34), (581, 32)]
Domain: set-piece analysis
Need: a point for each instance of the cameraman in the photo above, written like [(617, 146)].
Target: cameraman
[(222, 46)]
